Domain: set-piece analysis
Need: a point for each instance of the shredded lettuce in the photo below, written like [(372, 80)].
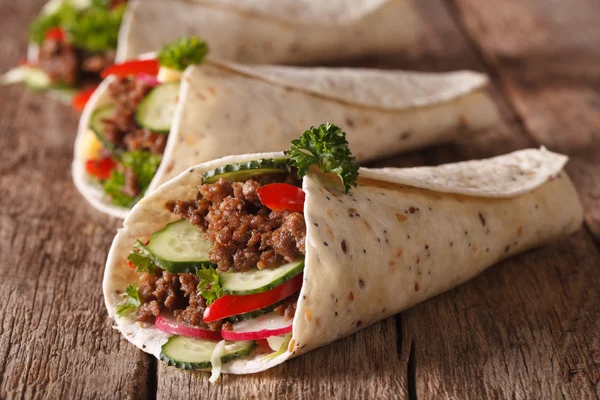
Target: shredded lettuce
[(281, 350), (215, 361), (94, 28)]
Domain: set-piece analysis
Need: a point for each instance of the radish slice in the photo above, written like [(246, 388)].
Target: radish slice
[(168, 324), (148, 79), (271, 324)]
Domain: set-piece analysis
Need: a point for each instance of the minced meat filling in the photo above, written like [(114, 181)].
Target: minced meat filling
[(66, 64), (176, 292), (245, 233)]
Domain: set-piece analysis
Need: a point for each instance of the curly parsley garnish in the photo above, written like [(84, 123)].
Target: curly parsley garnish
[(94, 28), (142, 258), (182, 53), (210, 284), (327, 147), (132, 301)]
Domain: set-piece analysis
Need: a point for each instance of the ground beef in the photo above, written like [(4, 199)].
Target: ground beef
[(131, 187), (245, 233), (59, 60), (287, 308), (95, 63)]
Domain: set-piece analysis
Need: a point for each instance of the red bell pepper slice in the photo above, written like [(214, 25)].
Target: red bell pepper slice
[(55, 33), (282, 196), (80, 99), (134, 67), (102, 168), (229, 305)]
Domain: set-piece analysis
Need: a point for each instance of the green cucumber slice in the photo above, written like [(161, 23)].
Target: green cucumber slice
[(246, 170), (190, 353), (180, 247), (35, 78), (259, 280), (157, 110), (96, 124)]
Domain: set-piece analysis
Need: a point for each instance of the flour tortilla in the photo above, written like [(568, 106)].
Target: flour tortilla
[(228, 108), (387, 245), (273, 31)]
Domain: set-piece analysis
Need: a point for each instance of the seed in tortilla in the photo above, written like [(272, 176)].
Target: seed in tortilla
[(344, 246), (351, 296), (400, 217), (416, 286), (481, 218), (361, 283)]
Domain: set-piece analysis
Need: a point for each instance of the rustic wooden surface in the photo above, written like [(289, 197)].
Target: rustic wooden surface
[(527, 328)]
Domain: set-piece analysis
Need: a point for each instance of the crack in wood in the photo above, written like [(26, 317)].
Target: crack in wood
[(412, 372), (152, 382)]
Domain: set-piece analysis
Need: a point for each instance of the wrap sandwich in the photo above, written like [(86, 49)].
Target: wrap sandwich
[(274, 31), (137, 130), (70, 43), (241, 263)]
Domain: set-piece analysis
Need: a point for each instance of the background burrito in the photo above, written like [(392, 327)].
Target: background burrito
[(232, 266), (70, 43), (136, 122), (273, 31)]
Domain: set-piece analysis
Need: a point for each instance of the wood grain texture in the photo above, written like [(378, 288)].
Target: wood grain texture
[(527, 328), (55, 337), (547, 54)]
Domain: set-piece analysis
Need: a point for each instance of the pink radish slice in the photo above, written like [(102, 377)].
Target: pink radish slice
[(148, 79), (168, 324), (271, 324)]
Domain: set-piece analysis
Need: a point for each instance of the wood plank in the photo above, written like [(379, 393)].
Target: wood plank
[(55, 337), (547, 54)]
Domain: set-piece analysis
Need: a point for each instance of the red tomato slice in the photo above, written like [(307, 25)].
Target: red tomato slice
[(229, 305), (281, 196), (102, 168), (134, 67), (55, 33), (80, 99)]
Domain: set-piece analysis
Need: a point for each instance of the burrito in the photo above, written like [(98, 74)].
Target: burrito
[(241, 263), (274, 31), (70, 43), (145, 124)]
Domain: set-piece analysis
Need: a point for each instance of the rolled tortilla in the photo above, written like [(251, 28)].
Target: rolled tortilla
[(399, 238), (273, 31), (229, 108)]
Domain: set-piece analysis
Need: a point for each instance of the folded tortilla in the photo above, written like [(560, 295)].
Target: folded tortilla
[(273, 31), (228, 108), (399, 238)]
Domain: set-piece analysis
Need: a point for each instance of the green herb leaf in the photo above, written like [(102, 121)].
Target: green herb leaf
[(132, 301), (182, 53), (327, 147), (94, 28), (144, 164), (142, 258), (209, 285)]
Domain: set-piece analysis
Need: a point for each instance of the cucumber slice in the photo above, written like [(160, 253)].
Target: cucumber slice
[(157, 110), (97, 125), (180, 247), (254, 314), (259, 280), (189, 353), (35, 78), (246, 170)]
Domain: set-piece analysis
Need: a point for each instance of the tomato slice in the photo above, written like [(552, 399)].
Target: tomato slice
[(101, 168), (55, 33), (80, 99), (282, 196), (134, 67), (229, 305)]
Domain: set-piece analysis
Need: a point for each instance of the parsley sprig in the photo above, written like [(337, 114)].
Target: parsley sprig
[(182, 53), (132, 301), (210, 284), (142, 258), (327, 147)]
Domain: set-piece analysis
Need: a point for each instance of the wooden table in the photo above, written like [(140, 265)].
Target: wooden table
[(527, 328)]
